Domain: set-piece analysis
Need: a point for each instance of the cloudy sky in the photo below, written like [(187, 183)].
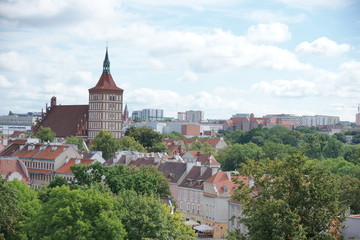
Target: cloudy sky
[(221, 56)]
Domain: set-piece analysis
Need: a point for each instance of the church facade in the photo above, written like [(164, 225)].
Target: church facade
[(104, 111)]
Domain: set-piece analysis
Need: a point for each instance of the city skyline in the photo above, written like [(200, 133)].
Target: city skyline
[(220, 57)]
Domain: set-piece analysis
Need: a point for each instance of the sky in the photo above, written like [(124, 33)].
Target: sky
[(223, 57)]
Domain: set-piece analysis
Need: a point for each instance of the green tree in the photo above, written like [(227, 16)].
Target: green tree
[(313, 145), (57, 182), (234, 136), (339, 166), (78, 214), (205, 147), (147, 217), (29, 205), (235, 154), (45, 134), (129, 143), (10, 210), (293, 200), (350, 192), (274, 150), (105, 142), (76, 141), (149, 138), (334, 148), (89, 174), (174, 134)]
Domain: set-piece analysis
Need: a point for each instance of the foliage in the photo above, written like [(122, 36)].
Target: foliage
[(78, 214), (148, 217), (356, 139), (174, 134), (144, 180), (235, 154), (293, 200), (105, 142), (29, 205), (274, 150), (57, 182), (313, 145), (205, 147), (89, 174), (129, 143), (340, 167), (45, 134), (307, 129), (350, 192), (76, 141), (10, 210), (147, 137), (234, 136)]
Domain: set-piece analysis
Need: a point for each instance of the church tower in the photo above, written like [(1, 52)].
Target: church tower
[(105, 104)]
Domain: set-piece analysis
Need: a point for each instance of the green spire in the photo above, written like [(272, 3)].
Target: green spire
[(106, 65)]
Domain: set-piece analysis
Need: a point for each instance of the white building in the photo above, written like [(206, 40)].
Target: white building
[(194, 116), (319, 120), (148, 114)]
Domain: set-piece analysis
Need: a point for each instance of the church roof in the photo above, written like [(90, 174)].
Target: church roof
[(64, 119), (106, 81)]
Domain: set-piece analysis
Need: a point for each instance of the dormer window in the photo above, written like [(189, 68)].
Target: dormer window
[(226, 189)]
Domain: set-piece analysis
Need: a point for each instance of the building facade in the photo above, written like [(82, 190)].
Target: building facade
[(148, 114), (105, 104), (194, 116)]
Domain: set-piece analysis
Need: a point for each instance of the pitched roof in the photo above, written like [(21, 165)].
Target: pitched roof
[(207, 159), (172, 170), (66, 167), (143, 162), (64, 119), (36, 170), (51, 152), (10, 166), (223, 184), (105, 82), (194, 179), (13, 147)]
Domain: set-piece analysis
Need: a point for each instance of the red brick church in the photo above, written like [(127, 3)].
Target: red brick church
[(104, 111)]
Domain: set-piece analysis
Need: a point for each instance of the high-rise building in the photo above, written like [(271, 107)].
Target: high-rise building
[(358, 116), (148, 114), (105, 104), (194, 116)]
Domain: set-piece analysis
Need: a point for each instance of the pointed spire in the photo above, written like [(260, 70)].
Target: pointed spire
[(126, 109), (106, 65)]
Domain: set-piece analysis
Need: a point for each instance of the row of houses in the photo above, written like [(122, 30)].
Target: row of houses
[(38, 163), (202, 191)]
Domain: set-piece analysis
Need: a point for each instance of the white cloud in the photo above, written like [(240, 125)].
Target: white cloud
[(273, 16), (268, 33), (311, 4), (188, 76), (12, 61), (322, 45), (287, 88), (4, 83)]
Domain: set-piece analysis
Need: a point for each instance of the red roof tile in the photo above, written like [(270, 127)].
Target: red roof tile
[(66, 167), (51, 152), (8, 166), (222, 182), (105, 82), (35, 170)]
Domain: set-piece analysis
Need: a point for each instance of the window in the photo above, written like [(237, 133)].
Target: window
[(181, 205), (188, 206)]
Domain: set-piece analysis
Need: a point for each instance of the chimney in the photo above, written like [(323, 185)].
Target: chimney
[(53, 102), (198, 153), (203, 169), (67, 159), (228, 174), (77, 161)]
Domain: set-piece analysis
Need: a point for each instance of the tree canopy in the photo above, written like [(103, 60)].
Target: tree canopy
[(76, 141), (147, 137), (289, 200), (45, 134), (105, 142)]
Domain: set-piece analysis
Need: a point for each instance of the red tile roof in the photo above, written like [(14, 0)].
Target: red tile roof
[(35, 170), (8, 166), (51, 152), (105, 82), (222, 182), (64, 119), (207, 159), (66, 167)]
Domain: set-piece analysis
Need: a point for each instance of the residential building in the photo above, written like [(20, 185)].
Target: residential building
[(65, 170), (12, 168), (285, 118), (148, 114), (181, 116), (319, 120), (194, 116), (41, 159), (357, 119), (351, 228), (17, 123), (217, 143), (190, 130)]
